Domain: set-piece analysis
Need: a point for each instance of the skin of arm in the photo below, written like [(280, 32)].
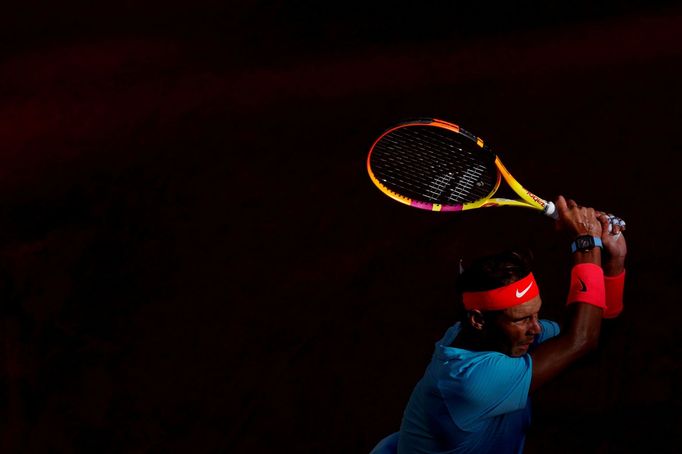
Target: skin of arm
[(581, 333)]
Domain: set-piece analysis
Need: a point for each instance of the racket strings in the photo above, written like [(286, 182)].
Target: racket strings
[(433, 165), (417, 179), (418, 162)]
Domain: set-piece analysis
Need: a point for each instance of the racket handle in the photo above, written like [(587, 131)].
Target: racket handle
[(550, 210), (614, 220)]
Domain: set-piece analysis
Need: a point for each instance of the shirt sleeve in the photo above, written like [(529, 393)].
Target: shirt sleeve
[(490, 385), (549, 330)]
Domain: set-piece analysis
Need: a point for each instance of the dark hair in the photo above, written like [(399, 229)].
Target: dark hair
[(494, 271)]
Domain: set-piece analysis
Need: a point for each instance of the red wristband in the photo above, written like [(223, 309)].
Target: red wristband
[(613, 286), (587, 285)]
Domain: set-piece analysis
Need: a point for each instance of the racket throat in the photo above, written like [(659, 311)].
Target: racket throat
[(522, 192)]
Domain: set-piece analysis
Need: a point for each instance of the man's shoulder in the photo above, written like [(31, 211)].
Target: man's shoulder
[(550, 328)]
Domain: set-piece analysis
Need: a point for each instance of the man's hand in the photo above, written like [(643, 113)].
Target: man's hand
[(577, 220), (615, 247)]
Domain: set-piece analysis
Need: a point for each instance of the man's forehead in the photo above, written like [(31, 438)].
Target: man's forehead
[(530, 307)]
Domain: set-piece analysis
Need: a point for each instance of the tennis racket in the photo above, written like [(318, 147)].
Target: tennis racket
[(438, 166)]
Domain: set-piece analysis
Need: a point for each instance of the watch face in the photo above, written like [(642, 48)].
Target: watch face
[(584, 242)]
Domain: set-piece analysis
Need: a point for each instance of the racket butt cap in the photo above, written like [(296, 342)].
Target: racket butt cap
[(550, 210)]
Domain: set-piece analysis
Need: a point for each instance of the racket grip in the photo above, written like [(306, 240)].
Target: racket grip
[(550, 210), (613, 220)]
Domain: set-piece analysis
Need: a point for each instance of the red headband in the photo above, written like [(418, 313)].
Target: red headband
[(504, 297)]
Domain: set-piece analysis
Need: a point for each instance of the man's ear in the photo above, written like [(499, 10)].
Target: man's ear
[(475, 319)]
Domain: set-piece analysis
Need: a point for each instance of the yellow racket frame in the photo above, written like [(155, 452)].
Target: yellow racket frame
[(527, 198)]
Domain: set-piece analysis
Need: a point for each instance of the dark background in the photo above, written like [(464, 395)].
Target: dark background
[(194, 259)]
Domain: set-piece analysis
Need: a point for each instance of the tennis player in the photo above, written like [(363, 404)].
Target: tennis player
[(474, 395)]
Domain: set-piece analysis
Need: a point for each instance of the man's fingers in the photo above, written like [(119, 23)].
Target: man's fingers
[(561, 204)]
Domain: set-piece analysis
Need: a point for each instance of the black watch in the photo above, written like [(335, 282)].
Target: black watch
[(586, 243)]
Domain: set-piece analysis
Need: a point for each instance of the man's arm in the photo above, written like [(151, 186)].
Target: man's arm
[(584, 314), (613, 262)]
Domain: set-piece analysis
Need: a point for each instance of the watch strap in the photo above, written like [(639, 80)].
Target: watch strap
[(597, 243)]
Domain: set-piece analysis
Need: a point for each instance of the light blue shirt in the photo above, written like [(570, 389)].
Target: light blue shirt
[(470, 402)]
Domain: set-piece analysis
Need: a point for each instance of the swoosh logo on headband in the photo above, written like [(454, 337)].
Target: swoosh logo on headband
[(524, 291)]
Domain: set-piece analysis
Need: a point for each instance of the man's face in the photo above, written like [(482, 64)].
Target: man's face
[(516, 327)]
